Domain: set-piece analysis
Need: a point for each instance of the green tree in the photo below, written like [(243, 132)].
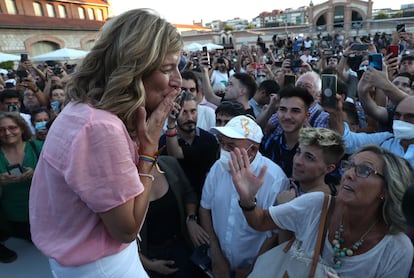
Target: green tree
[(398, 14), (381, 15), (228, 28), (7, 65)]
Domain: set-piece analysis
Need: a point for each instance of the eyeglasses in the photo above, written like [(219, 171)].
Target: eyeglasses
[(361, 170), (193, 89), (10, 128)]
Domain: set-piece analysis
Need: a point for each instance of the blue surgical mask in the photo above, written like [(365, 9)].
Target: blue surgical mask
[(40, 125), (55, 105)]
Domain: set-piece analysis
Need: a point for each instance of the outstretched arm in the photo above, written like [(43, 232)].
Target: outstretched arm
[(207, 89)]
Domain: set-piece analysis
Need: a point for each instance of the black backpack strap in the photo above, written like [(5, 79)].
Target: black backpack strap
[(33, 145)]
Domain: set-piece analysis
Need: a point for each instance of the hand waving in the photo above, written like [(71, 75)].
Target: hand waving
[(246, 182)]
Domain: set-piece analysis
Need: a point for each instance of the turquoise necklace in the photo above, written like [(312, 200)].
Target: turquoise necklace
[(338, 241)]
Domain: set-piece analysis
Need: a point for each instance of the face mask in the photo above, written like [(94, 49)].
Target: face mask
[(225, 157), (403, 130), (260, 79), (55, 105), (40, 125)]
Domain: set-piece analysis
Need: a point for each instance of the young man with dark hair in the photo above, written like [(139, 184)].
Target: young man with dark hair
[(227, 110), (262, 95), (205, 115), (293, 114)]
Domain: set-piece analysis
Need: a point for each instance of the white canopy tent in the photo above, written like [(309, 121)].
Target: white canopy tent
[(60, 55), (213, 46), (4, 57), (194, 46)]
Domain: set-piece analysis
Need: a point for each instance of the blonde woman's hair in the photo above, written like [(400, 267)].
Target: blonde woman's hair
[(329, 141), (398, 176), (131, 47)]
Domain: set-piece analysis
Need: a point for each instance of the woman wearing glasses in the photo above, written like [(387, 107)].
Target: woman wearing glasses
[(365, 227), (18, 159)]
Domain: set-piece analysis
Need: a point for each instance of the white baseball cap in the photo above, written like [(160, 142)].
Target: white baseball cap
[(240, 127)]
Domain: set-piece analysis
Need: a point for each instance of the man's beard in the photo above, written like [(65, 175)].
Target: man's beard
[(187, 129)]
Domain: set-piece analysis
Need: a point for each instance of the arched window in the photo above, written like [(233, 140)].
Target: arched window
[(43, 47), (89, 44), (81, 12), (99, 15), (11, 7), (37, 7), (339, 17), (50, 10), (91, 14), (62, 11)]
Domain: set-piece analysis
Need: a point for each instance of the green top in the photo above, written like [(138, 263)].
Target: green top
[(14, 200)]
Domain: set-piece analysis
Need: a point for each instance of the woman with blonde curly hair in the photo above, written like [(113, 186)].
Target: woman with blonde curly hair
[(91, 189)]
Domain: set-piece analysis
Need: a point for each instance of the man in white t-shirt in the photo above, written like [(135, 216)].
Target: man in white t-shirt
[(234, 246), (306, 56), (220, 73)]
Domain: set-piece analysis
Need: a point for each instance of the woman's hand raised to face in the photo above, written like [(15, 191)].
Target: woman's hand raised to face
[(149, 129), (246, 182)]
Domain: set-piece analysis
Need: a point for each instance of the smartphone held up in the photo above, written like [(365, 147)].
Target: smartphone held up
[(329, 89), (180, 101), (375, 61)]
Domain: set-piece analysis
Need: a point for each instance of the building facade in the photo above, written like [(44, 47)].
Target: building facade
[(38, 26)]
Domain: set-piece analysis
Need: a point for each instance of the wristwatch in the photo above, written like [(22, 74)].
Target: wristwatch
[(249, 208), (191, 217)]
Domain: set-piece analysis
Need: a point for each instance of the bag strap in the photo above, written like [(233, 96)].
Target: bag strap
[(321, 233), (291, 241)]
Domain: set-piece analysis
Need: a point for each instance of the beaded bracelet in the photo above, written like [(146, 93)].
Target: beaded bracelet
[(171, 133), (147, 176)]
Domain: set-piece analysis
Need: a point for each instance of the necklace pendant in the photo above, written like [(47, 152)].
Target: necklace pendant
[(349, 252)]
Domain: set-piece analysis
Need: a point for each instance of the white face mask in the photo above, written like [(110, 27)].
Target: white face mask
[(225, 157), (403, 130)]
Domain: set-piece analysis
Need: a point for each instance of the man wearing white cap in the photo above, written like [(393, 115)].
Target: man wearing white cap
[(233, 244)]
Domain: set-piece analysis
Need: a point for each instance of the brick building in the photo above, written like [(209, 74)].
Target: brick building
[(38, 26)]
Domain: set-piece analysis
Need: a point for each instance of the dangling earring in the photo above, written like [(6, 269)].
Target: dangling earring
[(382, 198)]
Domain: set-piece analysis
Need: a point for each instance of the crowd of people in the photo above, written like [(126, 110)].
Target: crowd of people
[(146, 160)]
